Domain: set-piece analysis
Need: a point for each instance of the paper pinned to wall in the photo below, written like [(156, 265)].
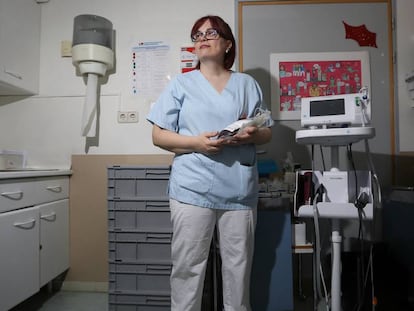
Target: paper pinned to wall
[(189, 59), (150, 72)]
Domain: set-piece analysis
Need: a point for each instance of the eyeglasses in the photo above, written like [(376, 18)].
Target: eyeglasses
[(209, 34)]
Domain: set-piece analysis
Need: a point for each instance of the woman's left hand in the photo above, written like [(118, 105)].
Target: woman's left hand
[(246, 136), (250, 135)]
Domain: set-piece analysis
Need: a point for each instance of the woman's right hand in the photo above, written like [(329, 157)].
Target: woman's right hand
[(207, 143)]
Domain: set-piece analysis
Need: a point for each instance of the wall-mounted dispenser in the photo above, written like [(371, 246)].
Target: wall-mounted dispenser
[(93, 55)]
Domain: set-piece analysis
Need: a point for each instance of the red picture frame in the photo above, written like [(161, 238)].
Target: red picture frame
[(298, 75)]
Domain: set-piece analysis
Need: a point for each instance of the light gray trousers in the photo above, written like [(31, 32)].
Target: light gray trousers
[(193, 228)]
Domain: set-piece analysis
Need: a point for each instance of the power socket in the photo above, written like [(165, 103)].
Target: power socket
[(122, 117), (127, 116), (132, 116), (66, 48)]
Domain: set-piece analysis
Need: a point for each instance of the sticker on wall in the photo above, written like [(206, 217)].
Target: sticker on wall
[(360, 34), (188, 59)]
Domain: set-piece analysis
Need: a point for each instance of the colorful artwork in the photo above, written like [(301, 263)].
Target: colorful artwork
[(297, 75), (316, 78)]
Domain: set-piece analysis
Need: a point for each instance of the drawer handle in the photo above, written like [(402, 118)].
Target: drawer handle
[(13, 74), (17, 195), (27, 225), (158, 268), (54, 188), (50, 217), (159, 236), (158, 299), (166, 204)]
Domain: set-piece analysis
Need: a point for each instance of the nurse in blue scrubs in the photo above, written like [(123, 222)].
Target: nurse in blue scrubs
[(214, 181)]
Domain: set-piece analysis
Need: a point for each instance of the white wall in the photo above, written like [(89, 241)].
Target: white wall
[(48, 125), (405, 64)]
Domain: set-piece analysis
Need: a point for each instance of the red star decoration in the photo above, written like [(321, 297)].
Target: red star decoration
[(360, 34)]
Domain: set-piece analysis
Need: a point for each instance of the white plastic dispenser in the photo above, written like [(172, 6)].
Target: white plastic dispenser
[(93, 55)]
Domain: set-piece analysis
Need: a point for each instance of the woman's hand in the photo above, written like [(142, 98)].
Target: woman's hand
[(207, 144), (251, 135), (204, 143)]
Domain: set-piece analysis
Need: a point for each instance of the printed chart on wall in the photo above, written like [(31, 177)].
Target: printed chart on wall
[(298, 75), (150, 73)]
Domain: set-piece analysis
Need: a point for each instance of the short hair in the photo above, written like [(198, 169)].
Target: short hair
[(224, 31)]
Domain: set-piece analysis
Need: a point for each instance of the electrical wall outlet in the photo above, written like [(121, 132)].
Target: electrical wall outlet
[(122, 117), (132, 116), (127, 116)]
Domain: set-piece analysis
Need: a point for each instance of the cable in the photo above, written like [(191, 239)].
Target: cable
[(324, 287), (351, 160), (370, 268), (360, 202), (361, 241), (317, 243), (364, 101), (379, 200), (373, 297), (313, 157), (319, 276), (372, 169), (322, 156)]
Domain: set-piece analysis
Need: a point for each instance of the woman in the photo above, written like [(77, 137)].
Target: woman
[(213, 180)]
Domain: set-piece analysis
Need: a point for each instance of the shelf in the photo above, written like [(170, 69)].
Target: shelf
[(336, 210), (334, 136), (302, 248)]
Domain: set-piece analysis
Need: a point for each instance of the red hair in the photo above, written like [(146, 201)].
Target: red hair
[(224, 31)]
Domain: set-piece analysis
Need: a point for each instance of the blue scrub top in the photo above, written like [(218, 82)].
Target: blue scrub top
[(190, 105)]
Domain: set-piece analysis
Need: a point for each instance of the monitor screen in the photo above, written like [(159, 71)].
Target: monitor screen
[(328, 107)]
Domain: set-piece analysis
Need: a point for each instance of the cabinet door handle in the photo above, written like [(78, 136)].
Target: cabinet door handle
[(159, 237), (54, 188), (158, 268), (27, 225), (49, 217), (16, 195), (158, 299), (13, 74)]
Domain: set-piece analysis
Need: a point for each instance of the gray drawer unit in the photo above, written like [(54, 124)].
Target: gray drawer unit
[(140, 267), (140, 277), (126, 181), (139, 214), (124, 301), (140, 233), (131, 246)]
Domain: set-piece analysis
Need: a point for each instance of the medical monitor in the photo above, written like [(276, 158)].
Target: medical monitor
[(335, 110)]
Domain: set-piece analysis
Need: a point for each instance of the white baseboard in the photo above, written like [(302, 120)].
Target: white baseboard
[(85, 286)]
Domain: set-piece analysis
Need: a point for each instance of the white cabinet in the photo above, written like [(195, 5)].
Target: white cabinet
[(54, 239), (19, 47), (34, 235), (23, 192), (19, 256)]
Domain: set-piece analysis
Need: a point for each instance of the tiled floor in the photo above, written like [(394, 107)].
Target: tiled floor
[(93, 301), (76, 301), (65, 301)]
